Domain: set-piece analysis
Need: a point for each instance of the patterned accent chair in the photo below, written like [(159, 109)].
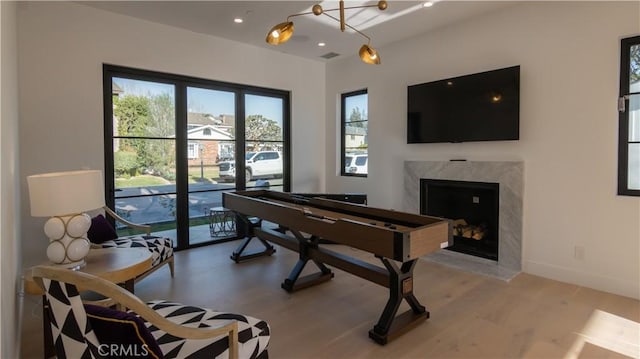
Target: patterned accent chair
[(161, 248), (180, 331)]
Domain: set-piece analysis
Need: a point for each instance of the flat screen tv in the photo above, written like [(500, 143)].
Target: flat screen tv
[(478, 107)]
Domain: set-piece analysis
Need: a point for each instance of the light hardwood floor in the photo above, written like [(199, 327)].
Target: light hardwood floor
[(472, 316)]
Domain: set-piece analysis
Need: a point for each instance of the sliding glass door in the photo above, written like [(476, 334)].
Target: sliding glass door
[(174, 144)]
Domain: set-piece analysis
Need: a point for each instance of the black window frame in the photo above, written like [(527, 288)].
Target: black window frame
[(623, 131), (343, 124), (182, 82)]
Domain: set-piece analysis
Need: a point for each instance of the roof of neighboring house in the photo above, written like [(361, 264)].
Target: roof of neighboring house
[(199, 118), (216, 133), (228, 120)]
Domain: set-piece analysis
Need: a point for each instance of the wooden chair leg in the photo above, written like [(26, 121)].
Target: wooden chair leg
[(171, 267)]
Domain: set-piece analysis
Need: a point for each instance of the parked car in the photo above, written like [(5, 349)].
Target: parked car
[(356, 163), (262, 164)]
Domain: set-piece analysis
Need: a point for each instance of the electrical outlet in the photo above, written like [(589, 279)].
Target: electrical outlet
[(578, 252)]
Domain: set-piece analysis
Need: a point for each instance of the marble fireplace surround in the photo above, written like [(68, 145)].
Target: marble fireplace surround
[(510, 176)]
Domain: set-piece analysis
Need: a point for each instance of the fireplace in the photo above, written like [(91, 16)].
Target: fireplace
[(510, 177), (473, 208)]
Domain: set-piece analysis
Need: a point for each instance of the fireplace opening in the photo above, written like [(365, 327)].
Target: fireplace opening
[(473, 209)]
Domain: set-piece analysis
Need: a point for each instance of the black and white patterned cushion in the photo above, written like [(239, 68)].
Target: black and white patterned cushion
[(161, 248), (253, 334), (73, 337)]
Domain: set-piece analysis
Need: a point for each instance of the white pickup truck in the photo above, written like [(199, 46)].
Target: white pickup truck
[(263, 164)]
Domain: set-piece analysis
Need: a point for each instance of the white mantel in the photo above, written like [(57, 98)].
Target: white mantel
[(509, 175)]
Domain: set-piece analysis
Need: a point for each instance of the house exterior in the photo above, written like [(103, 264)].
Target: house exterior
[(52, 53), (211, 138), (355, 137), (208, 143)]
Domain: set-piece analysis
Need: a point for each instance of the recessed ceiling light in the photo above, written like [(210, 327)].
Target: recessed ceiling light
[(238, 20), (321, 44), (428, 4)]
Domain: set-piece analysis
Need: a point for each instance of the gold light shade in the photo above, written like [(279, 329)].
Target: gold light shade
[(280, 33), (369, 55)]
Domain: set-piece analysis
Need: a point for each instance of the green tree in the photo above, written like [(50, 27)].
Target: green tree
[(162, 116), (357, 118), (147, 116), (161, 157), (132, 114), (125, 163), (260, 128)]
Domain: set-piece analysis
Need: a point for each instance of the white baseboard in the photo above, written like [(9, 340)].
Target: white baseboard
[(627, 288)]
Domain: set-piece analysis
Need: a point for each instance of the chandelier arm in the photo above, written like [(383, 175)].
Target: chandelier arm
[(342, 22), (351, 27), (300, 14), (342, 8), (359, 7), (350, 7)]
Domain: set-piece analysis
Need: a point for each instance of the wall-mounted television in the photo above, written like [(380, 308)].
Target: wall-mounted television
[(478, 107)]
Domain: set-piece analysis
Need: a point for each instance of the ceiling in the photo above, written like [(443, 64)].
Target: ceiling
[(401, 20)]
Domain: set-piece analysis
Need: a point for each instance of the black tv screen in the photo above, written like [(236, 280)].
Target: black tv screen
[(479, 107)]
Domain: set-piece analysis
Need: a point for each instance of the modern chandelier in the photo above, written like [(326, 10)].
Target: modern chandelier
[(282, 32)]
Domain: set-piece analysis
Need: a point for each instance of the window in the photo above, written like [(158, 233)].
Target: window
[(192, 151), (354, 136), (174, 144), (629, 122)]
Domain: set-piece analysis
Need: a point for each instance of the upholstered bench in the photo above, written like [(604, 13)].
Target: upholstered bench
[(103, 235)]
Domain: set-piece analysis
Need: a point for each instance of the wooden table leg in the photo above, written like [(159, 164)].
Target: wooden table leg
[(398, 280), (129, 285), (294, 281), (400, 287), (246, 226)]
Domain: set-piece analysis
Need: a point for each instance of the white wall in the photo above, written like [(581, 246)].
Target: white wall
[(9, 184), (62, 47), (569, 58)]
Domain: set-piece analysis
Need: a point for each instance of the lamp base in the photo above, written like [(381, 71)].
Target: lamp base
[(68, 244)]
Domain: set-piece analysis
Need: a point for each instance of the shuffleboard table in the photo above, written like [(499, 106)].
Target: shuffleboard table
[(393, 237)]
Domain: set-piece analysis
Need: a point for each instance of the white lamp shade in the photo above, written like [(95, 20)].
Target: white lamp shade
[(65, 193)]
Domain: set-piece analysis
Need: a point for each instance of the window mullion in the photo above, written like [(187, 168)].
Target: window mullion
[(629, 114)]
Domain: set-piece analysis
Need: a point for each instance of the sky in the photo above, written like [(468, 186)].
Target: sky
[(359, 101), (207, 101)]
